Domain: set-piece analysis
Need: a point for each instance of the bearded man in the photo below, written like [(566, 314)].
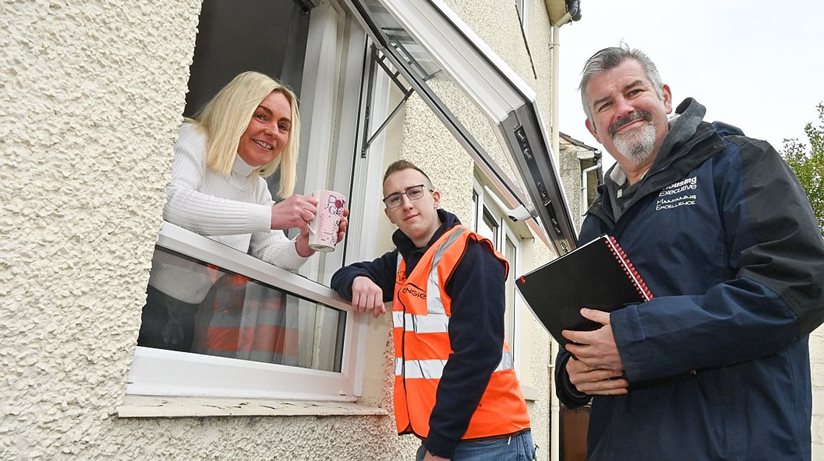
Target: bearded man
[(716, 366)]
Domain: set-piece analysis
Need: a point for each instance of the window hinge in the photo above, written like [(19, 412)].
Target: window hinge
[(380, 59)]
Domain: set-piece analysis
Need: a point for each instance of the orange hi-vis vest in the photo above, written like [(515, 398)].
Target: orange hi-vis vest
[(421, 309)]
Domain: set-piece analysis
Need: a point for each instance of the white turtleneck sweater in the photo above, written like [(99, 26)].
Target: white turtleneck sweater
[(235, 210)]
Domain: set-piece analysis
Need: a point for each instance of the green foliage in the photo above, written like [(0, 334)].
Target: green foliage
[(808, 163)]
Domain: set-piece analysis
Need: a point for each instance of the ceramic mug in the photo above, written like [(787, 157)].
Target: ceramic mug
[(323, 232)]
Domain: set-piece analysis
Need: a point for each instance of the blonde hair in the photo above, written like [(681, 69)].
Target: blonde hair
[(225, 117)]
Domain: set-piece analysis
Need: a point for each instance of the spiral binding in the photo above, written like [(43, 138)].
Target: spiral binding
[(629, 269)]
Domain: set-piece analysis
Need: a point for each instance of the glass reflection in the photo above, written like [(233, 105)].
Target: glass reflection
[(196, 307)]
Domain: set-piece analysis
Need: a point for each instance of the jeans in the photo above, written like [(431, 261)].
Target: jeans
[(518, 447)]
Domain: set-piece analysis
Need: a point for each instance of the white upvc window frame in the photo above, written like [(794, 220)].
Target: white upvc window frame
[(327, 135), (172, 373), (511, 107), (523, 11), (483, 201), (517, 303), (509, 104), (324, 152)]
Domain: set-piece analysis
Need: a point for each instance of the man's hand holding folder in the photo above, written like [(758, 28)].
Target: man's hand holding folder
[(573, 296), (595, 367)]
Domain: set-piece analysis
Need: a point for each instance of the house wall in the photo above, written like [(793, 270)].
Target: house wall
[(91, 96), (570, 171), (90, 101)]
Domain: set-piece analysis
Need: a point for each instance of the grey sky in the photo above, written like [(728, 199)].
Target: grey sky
[(754, 64)]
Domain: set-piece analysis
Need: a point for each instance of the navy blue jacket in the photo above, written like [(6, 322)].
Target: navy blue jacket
[(724, 236), (476, 326)]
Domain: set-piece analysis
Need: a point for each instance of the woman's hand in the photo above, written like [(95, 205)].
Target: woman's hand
[(296, 211), (344, 224), (302, 242), (302, 245)]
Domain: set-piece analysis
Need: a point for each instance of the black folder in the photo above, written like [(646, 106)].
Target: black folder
[(596, 275)]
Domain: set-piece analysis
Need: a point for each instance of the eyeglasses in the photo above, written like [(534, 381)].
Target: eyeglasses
[(413, 192)]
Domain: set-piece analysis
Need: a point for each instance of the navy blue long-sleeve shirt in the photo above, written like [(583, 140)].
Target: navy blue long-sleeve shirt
[(476, 326)]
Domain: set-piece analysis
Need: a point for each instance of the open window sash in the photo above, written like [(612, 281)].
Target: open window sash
[(470, 88), (172, 373)]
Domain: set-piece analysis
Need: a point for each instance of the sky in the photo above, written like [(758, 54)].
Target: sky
[(755, 64)]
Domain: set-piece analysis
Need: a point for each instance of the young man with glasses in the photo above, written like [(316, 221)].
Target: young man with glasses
[(455, 387)]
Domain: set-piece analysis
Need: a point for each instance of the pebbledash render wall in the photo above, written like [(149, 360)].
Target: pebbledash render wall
[(91, 96)]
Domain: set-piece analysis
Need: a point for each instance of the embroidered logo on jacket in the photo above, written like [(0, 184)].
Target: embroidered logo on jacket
[(678, 194)]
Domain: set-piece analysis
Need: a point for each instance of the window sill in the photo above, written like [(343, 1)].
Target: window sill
[(140, 406)]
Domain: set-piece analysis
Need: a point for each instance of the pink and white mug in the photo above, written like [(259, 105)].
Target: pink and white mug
[(323, 233)]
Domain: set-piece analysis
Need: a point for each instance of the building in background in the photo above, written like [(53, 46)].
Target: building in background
[(581, 171)]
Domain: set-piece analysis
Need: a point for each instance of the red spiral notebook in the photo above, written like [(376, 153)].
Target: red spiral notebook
[(597, 275)]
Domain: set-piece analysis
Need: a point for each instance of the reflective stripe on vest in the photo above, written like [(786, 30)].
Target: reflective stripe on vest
[(421, 311), (433, 369), (436, 323)]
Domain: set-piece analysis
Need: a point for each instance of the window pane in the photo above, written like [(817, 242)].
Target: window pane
[(489, 228), (474, 211), (196, 307), (510, 253)]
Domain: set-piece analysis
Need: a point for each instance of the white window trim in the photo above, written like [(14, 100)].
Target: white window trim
[(368, 190), (523, 9), (505, 231), (193, 375), (321, 76), (173, 373), (517, 305), (507, 101)]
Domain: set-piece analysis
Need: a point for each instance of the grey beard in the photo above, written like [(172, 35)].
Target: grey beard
[(636, 145)]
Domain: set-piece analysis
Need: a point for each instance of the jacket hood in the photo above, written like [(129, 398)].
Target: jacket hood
[(682, 127), (689, 142), (405, 245)]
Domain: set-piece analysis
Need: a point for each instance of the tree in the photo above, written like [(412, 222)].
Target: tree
[(808, 165)]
